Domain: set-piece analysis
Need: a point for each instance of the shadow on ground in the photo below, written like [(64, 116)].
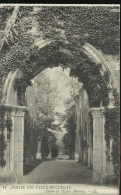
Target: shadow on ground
[(60, 158), (30, 165), (58, 170)]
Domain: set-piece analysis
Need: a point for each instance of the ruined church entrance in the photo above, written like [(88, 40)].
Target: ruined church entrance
[(14, 105)]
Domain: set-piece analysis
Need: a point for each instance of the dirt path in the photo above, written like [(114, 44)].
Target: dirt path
[(60, 170)]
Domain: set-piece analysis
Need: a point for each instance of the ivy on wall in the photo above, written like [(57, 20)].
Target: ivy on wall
[(21, 84), (95, 84), (69, 137), (112, 132), (4, 123), (90, 120), (3, 144), (97, 25), (30, 139), (59, 24), (71, 27), (2, 149)]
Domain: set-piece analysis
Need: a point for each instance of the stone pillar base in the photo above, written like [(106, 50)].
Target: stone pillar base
[(8, 179), (19, 179), (12, 178), (76, 156), (100, 178), (99, 147), (49, 156), (38, 155)]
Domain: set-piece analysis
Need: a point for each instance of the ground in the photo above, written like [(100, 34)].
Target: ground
[(63, 171), (59, 170)]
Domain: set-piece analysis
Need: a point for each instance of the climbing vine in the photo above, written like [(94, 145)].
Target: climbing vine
[(69, 137), (90, 119), (2, 149), (112, 131), (3, 144), (95, 84), (9, 127), (4, 123), (99, 26), (30, 138), (21, 84), (33, 24)]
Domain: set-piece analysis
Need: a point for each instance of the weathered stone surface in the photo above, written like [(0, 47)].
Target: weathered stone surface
[(18, 168), (18, 155)]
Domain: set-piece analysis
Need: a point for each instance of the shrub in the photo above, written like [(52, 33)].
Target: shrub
[(44, 147), (54, 151)]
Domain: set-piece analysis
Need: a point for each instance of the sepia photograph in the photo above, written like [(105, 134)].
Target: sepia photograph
[(59, 99)]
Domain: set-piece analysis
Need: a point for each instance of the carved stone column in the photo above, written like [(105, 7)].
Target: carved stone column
[(19, 139), (7, 172), (99, 147), (111, 165)]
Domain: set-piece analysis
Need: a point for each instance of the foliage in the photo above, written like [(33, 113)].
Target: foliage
[(94, 83), (41, 107), (30, 138), (9, 127), (65, 140), (21, 84), (45, 145), (97, 25), (69, 137), (54, 151), (90, 121), (48, 138), (116, 97), (112, 131), (62, 24), (4, 123), (70, 27), (42, 104), (5, 13), (2, 149)]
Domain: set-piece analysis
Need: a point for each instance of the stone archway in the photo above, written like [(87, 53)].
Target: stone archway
[(15, 108)]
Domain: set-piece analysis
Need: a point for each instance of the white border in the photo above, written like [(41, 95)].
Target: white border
[(65, 5)]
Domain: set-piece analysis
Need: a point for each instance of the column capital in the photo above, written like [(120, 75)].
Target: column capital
[(15, 110), (97, 112), (12, 113), (19, 111)]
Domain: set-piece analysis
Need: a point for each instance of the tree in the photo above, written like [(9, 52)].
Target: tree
[(69, 137), (44, 145), (54, 151), (41, 107), (42, 104), (30, 138)]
